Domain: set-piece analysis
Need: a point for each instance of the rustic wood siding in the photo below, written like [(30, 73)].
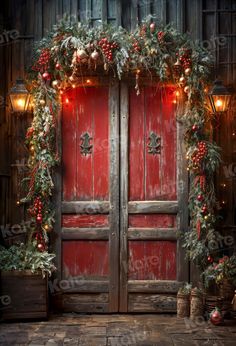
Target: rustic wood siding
[(203, 19)]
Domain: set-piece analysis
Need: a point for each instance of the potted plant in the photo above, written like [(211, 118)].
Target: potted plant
[(223, 273), (24, 281)]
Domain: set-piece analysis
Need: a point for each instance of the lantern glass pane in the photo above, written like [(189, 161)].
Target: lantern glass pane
[(19, 102)]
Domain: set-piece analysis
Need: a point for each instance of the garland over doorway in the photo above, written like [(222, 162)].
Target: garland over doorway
[(73, 51)]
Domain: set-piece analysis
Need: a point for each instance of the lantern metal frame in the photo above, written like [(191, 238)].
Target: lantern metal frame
[(19, 97), (219, 93)]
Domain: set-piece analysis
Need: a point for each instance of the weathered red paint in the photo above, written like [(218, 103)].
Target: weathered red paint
[(85, 221), (152, 260), (152, 177), (69, 147), (85, 177), (85, 257), (152, 220)]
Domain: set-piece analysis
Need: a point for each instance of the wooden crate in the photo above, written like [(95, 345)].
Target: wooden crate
[(24, 295)]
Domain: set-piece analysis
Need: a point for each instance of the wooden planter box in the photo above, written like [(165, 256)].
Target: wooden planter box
[(24, 295)]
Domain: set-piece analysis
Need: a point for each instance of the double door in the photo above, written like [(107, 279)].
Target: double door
[(122, 200)]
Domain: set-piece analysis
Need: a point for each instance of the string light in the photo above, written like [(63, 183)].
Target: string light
[(88, 81), (18, 202), (67, 100), (73, 85)]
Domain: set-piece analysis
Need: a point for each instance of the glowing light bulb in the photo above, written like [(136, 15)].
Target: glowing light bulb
[(88, 81), (67, 101), (73, 85), (177, 93), (219, 103), (20, 102)]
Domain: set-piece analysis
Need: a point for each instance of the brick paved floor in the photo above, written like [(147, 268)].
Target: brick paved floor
[(117, 330)]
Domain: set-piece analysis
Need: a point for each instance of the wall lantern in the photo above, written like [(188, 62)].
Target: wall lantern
[(19, 97), (219, 97)]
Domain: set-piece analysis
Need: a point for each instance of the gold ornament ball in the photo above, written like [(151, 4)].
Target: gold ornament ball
[(186, 89), (54, 83), (46, 227), (94, 55), (42, 102), (187, 71), (81, 54), (182, 80)]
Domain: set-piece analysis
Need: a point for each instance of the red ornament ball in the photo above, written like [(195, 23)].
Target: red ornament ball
[(41, 247), (204, 209), (152, 27), (200, 198), (216, 317), (58, 66), (210, 259), (46, 76), (39, 218), (194, 128)]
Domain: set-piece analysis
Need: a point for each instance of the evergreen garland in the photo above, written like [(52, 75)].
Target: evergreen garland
[(71, 51)]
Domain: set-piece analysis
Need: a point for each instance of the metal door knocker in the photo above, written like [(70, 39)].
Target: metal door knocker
[(154, 145), (85, 146)]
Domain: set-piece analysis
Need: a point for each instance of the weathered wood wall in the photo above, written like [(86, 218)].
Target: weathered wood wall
[(210, 21)]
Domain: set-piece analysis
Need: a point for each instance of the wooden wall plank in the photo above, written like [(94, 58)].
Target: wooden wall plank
[(124, 174), (152, 303), (85, 207), (74, 10), (38, 22), (114, 197), (154, 207), (182, 193), (134, 14)]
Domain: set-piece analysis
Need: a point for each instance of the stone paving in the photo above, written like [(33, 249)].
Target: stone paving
[(118, 330)]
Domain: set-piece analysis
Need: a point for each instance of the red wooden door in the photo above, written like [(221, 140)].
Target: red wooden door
[(120, 204), (89, 231), (150, 201)]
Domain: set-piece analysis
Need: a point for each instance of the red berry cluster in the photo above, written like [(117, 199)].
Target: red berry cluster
[(108, 48), (160, 36), (184, 56), (43, 62), (37, 209), (200, 153), (136, 46)]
